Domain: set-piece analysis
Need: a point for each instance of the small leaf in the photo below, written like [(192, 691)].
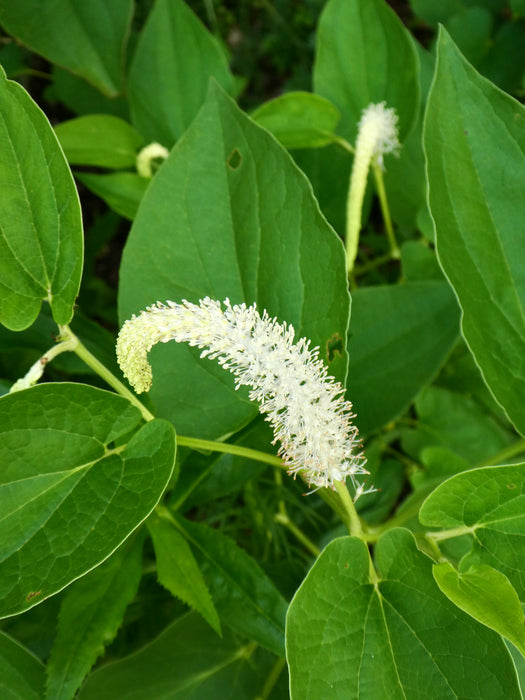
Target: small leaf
[(486, 595), (99, 139), (475, 148), (455, 421), (164, 101), (122, 192), (22, 675), (299, 119), (245, 598), (399, 338), (87, 38), (350, 637), (364, 55), (41, 238), (69, 497), (90, 616), (178, 571), (489, 503)]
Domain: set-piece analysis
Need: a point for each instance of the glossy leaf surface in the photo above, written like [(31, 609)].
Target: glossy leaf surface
[(475, 148), (348, 639), (69, 496), (87, 38), (41, 239), (490, 504)]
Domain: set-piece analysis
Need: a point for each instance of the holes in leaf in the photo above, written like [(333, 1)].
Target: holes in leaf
[(334, 347), (234, 160)]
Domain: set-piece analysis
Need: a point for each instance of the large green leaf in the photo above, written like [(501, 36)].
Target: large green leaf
[(87, 38), (245, 598), (41, 239), (400, 638), (22, 675), (475, 148), (173, 62), (90, 616), (229, 215), (70, 491), (400, 335), (188, 661), (488, 503), (365, 55)]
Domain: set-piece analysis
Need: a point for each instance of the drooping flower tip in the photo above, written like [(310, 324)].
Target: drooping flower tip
[(304, 406), (378, 127)]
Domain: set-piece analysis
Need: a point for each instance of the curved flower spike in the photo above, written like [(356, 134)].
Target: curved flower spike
[(304, 406)]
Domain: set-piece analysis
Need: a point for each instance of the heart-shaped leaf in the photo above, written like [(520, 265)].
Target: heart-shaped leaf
[(351, 636), (71, 490)]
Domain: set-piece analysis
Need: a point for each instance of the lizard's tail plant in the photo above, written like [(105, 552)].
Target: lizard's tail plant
[(304, 406), (377, 135)]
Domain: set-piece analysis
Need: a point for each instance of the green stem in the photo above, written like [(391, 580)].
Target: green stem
[(272, 679), (372, 264), (283, 519), (345, 145), (353, 521), (239, 450), (449, 534), (383, 201), (506, 453), (97, 366), (431, 547), (37, 369), (372, 573)]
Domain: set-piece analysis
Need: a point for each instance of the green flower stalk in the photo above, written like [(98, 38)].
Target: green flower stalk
[(304, 406), (377, 135)]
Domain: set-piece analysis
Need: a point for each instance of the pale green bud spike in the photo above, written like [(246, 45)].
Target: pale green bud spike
[(377, 135)]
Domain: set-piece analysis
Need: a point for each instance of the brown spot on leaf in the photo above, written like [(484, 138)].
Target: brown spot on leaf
[(334, 347), (234, 160)]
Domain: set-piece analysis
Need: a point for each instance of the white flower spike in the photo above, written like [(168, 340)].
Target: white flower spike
[(377, 135), (304, 406)]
